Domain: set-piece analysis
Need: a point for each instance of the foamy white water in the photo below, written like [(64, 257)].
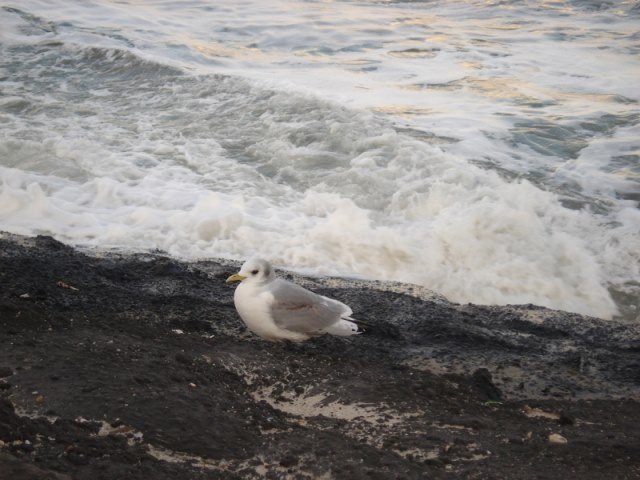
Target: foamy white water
[(489, 152)]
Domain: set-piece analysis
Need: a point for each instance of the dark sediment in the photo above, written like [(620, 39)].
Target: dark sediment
[(137, 367)]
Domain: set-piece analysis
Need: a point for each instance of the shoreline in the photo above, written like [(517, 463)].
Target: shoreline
[(137, 366), (309, 279)]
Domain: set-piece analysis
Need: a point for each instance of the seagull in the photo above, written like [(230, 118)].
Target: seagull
[(278, 310)]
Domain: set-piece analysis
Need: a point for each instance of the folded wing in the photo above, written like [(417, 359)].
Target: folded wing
[(297, 309)]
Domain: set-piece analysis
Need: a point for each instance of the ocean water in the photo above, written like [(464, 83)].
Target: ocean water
[(489, 150)]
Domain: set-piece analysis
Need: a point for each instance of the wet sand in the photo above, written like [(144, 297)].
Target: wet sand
[(137, 366)]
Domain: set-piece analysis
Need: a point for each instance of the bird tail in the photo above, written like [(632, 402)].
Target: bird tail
[(364, 326), (346, 327)]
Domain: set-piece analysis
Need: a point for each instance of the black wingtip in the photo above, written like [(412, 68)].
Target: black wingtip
[(362, 326)]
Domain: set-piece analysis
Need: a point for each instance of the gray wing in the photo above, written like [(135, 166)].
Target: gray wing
[(297, 309)]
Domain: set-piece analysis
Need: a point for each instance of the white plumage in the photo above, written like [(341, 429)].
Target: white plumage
[(277, 310)]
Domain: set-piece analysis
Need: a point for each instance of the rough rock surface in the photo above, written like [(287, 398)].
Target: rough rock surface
[(138, 367)]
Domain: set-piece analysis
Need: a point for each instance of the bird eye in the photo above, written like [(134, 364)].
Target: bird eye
[(254, 272)]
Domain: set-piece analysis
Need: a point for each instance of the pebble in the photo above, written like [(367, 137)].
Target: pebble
[(5, 372), (557, 439), (566, 419), (288, 461), (184, 359), (27, 447)]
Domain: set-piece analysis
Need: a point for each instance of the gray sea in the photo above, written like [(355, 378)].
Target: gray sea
[(488, 150)]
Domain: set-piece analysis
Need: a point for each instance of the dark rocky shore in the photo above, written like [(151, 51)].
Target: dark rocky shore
[(138, 367)]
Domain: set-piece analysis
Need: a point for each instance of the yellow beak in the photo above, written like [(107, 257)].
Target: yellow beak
[(236, 277)]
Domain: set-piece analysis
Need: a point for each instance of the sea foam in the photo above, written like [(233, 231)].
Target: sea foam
[(109, 140)]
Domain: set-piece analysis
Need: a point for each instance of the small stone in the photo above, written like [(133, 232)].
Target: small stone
[(557, 439), (184, 359), (192, 385), (40, 399), (289, 461), (27, 447), (566, 419), (62, 284), (481, 379), (5, 372), (25, 295)]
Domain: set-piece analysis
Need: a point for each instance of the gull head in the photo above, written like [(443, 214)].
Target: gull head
[(254, 270)]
